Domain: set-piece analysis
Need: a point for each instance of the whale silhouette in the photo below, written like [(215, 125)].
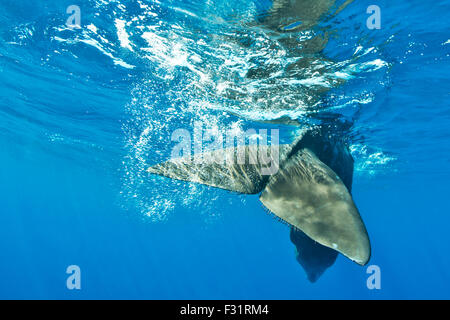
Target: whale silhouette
[(305, 191), (311, 190)]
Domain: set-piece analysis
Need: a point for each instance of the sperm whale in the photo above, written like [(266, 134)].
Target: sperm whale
[(305, 192), (311, 190)]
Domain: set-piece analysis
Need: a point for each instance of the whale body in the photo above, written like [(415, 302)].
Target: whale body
[(311, 190)]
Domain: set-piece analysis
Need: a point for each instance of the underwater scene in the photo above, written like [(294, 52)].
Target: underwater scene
[(211, 149)]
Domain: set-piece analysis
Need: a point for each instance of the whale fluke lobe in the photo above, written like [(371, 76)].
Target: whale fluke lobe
[(226, 169), (307, 194)]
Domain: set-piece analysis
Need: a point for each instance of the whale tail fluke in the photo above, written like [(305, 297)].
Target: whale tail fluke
[(310, 196), (242, 169), (303, 191)]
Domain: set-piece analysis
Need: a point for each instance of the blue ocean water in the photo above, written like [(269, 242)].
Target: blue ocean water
[(84, 111)]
